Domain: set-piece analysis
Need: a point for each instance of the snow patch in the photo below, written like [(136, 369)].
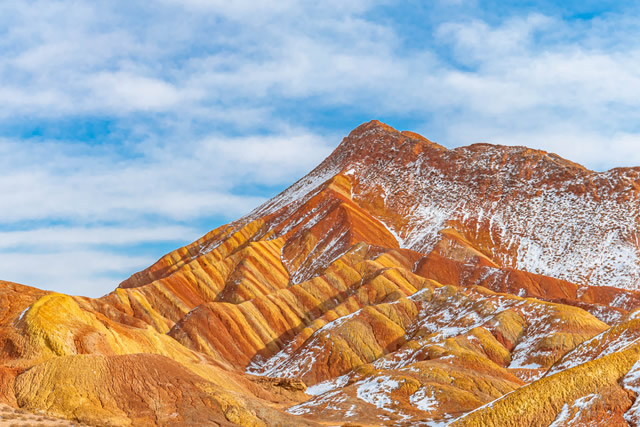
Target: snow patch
[(376, 391), (424, 399), (328, 385), (562, 417), (23, 313)]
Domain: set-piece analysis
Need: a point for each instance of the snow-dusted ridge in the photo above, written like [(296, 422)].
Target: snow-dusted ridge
[(532, 210)]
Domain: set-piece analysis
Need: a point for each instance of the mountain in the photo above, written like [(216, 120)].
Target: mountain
[(398, 283)]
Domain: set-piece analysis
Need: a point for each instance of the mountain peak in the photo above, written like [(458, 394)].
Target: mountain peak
[(375, 141), (371, 125), (372, 130), (377, 138)]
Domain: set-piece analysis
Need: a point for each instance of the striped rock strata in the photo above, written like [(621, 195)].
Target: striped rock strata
[(398, 283)]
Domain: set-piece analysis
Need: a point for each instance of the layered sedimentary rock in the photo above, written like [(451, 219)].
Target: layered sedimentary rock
[(398, 283)]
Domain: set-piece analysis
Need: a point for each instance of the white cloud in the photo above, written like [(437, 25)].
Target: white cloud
[(258, 11), (476, 41), (84, 272), (124, 92), (267, 159), (39, 239), (176, 180), (86, 260), (221, 59)]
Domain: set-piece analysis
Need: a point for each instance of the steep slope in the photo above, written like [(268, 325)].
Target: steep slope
[(399, 281)]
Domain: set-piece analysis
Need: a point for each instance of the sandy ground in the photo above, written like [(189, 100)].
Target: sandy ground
[(18, 417)]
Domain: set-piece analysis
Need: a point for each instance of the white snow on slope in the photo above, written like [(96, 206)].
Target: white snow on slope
[(424, 399), (376, 391), (583, 238), (570, 413)]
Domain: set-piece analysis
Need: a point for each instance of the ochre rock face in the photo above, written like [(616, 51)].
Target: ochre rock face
[(398, 283)]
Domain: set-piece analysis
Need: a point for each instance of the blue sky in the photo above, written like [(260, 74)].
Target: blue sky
[(128, 129)]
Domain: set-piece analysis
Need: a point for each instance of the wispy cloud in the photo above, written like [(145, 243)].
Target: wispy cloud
[(84, 271), (72, 237)]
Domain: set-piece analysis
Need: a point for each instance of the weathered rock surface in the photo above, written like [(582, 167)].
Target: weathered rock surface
[(398, 283)]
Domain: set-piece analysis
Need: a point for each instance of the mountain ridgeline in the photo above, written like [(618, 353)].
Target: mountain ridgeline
[(398, 283)]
